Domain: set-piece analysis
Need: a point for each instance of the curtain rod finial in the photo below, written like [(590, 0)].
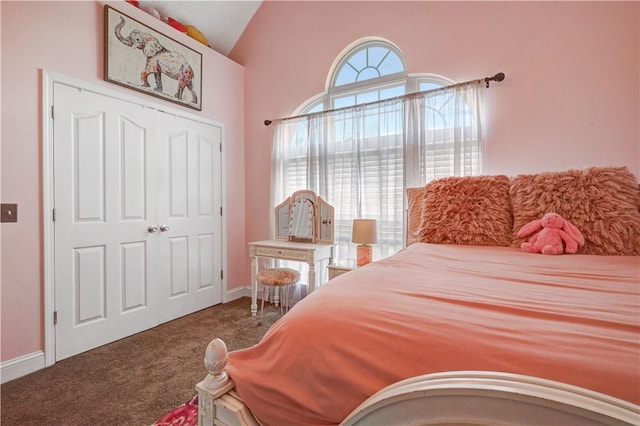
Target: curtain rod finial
[(498, 77), (267, 122)]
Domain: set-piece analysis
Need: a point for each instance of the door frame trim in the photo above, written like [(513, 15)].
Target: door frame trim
[(48, 79)]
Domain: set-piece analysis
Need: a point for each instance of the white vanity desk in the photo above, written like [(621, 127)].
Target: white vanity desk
[(309, 253)]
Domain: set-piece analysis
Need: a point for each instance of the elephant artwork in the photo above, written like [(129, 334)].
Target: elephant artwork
[(161, 60)]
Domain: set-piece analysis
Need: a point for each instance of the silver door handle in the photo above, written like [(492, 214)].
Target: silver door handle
[(164, 228), (152, 229)]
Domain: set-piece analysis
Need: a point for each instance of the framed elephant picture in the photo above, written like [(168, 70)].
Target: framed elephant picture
[(140, 58)]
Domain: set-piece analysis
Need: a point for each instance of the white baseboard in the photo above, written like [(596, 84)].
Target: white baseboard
[(21, 366), (237, 293)]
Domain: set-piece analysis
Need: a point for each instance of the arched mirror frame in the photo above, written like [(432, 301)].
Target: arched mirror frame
[(287, 221)]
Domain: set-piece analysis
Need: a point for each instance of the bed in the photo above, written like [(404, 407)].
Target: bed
[(461, 326)]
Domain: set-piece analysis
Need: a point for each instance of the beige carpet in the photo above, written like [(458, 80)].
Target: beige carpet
[(133, 381)]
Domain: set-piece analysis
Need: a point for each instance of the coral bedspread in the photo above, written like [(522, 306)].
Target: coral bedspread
[(432, 308)]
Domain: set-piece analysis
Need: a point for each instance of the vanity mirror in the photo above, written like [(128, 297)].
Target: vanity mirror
[(304, 217)]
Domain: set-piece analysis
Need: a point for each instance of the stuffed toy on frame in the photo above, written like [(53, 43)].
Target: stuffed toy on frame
[(555, 231)]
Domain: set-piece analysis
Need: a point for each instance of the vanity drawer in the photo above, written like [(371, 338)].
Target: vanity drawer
[(281, 253)]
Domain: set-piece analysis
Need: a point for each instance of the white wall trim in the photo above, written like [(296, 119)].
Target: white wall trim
[(237, 293), (21, 366)]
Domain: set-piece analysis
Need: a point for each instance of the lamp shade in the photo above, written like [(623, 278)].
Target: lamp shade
[(364, 231)]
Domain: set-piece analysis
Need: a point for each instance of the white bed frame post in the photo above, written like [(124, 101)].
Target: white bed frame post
[(218, 404)]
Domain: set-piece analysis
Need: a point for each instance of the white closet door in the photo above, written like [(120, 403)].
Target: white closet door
[(102, 157), (137, 196), (189, 201)]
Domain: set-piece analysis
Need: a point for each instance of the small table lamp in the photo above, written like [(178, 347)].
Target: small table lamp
[(364, 234)]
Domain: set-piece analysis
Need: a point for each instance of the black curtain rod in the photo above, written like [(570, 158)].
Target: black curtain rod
[(498, 77)]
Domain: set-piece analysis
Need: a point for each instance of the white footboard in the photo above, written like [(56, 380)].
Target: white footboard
[(489, 398), (459, 397)]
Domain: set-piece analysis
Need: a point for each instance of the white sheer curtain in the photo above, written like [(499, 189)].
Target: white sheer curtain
[(360, 159)]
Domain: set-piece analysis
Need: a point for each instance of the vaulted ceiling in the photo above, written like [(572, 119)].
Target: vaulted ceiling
[(220, 21)]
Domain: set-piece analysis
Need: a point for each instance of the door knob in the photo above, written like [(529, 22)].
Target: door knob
[(164, 228), (152, 229)]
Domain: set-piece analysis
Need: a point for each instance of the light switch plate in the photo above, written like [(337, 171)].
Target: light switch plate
[(8, 212)]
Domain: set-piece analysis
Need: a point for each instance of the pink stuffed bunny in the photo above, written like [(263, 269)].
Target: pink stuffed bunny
[(555, 229)]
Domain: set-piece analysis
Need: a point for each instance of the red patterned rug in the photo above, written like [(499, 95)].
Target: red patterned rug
[(184, 415)]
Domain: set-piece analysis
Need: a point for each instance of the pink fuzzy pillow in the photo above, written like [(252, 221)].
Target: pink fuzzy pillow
[(415, 197), (602, 202), (472, 210)]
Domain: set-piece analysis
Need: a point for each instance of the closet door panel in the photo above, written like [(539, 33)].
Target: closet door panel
[(104, 262), (189, 205)]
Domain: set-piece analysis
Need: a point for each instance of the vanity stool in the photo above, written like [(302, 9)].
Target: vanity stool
[(284, 279)]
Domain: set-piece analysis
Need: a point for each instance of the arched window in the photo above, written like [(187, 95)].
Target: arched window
[(370, 60), (362, 160), (368, 70)]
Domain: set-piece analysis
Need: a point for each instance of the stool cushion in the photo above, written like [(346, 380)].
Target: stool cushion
[(278, 276)]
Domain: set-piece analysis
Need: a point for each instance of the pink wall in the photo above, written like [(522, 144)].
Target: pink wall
[(570, 100), (70, 43)]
